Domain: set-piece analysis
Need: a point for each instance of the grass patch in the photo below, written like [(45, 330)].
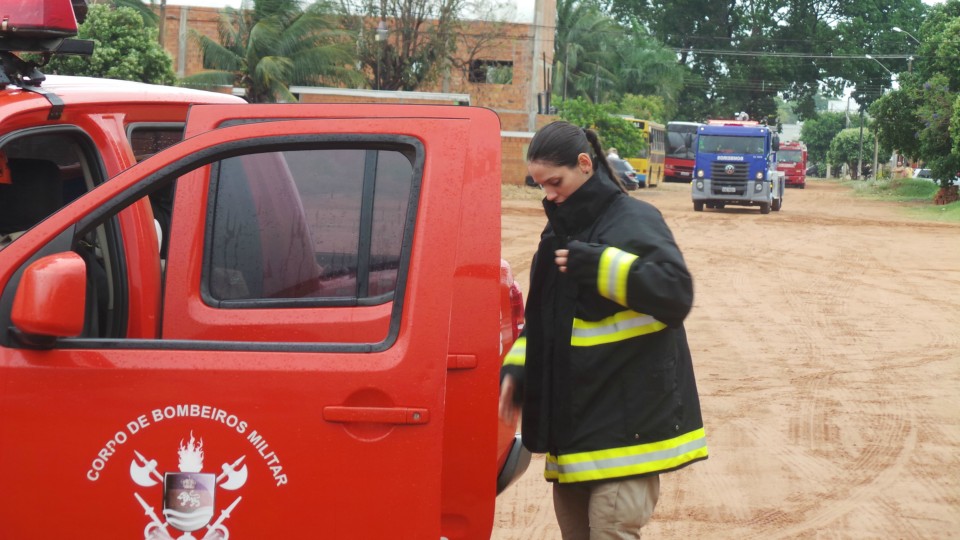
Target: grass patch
[(918, 193)]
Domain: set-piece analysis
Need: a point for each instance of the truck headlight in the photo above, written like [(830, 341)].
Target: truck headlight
[(700, 173), (700, 185), (758, 187), (759, 175)]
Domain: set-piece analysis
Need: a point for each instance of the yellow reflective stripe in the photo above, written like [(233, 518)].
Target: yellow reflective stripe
[(629, 460), (551, 470), (624, 325), (518, 353), (612, 275)]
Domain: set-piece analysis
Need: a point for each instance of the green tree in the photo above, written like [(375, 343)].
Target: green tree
[(936, 113), (274, 45), (896, 121), (613, 130), (150, 17), (742, 54), (937, 95), (845, 148), (585, 53), (124, 49), (818, 132), (646, 67), (647, 107), (414, 46)]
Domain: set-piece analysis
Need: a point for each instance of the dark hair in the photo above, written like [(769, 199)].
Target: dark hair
[(559, 143)]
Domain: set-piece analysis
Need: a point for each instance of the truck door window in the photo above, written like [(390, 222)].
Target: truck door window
[(307, 225), (47, 170)]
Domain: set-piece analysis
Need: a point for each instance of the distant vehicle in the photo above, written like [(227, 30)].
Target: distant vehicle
[(680, 152), (927, 175), (792, 162), (649, 164), (626, 172), (736, 165), (813, 170)]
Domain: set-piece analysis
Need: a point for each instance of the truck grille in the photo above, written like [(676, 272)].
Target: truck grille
[(723, 181)]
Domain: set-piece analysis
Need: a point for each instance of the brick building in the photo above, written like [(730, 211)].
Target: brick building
[(502, 66)]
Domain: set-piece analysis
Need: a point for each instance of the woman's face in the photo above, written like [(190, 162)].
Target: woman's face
[(558, 181)]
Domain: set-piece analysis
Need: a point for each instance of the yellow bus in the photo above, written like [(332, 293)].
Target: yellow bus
[(649, 164)]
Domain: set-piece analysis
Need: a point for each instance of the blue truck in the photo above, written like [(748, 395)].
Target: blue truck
[(736, 164)]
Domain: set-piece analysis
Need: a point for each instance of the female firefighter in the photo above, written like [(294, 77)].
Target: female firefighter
[(602, 372)]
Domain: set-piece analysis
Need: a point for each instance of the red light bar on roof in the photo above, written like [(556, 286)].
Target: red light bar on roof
[(43, 19)]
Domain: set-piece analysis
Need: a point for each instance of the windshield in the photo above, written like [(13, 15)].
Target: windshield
[(680, 145), (789, 155), (730, 144)]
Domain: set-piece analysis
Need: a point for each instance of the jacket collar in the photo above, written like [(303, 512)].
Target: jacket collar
[(583, 207)]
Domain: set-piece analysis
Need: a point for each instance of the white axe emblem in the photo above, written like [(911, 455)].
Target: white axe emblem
[(232, 478)]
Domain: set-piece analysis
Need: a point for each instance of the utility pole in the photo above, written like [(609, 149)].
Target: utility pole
[(161, 27), (860, 154)]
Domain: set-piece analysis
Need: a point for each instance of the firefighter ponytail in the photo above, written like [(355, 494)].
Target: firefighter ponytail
[(559, 143)]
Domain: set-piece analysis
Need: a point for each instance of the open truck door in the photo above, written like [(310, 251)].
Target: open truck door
[(292, 363)]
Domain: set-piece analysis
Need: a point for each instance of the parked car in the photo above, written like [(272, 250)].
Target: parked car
[(926, 174), (626, 172), (813, 170)]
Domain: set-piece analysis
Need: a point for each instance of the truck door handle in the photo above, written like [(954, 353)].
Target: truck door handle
[(375, 415)]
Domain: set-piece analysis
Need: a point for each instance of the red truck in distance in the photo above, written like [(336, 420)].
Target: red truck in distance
[(792, 162), (248, 321)]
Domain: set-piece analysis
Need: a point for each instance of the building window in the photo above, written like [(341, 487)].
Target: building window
[(491, 71)]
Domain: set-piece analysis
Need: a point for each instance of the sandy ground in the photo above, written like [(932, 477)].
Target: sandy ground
[(826, 342)]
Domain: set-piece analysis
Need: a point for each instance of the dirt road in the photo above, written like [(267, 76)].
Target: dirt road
[(826, 341)]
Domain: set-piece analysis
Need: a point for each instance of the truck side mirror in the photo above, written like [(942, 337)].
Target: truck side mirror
[(775, 143), (50, 299)]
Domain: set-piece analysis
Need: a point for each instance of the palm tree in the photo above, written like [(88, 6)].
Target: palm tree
[(647, 67), (150, 18), (584, 51), (274, 45)]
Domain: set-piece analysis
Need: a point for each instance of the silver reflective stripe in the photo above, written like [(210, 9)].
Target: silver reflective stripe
[(626, 461), (614, 272), (619, 327)]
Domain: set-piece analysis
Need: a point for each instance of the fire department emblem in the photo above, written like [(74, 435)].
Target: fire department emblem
[(729, 169), (188, 495)]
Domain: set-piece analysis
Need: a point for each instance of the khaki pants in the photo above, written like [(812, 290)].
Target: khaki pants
[(613, 510)]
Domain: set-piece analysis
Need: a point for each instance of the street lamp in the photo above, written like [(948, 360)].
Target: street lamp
[(898, 29), (892, 74), (380, 36)]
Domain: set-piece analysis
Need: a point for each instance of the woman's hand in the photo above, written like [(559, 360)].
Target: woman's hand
[(508, 409), (561, 258)]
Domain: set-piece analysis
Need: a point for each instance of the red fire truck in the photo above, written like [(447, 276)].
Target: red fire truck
[(290, 324), (792, 162), (680, 152)]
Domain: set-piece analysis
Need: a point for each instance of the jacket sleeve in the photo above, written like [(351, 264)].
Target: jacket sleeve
[(637, 265), (514, 365)]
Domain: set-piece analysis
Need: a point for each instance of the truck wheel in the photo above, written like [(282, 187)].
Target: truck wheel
[(698, 207), (765, 208), (777, 203)]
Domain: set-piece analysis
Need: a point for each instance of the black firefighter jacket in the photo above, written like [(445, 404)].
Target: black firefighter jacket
[(604, 373)]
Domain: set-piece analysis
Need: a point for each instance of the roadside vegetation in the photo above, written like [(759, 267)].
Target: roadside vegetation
[(918, 195)]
